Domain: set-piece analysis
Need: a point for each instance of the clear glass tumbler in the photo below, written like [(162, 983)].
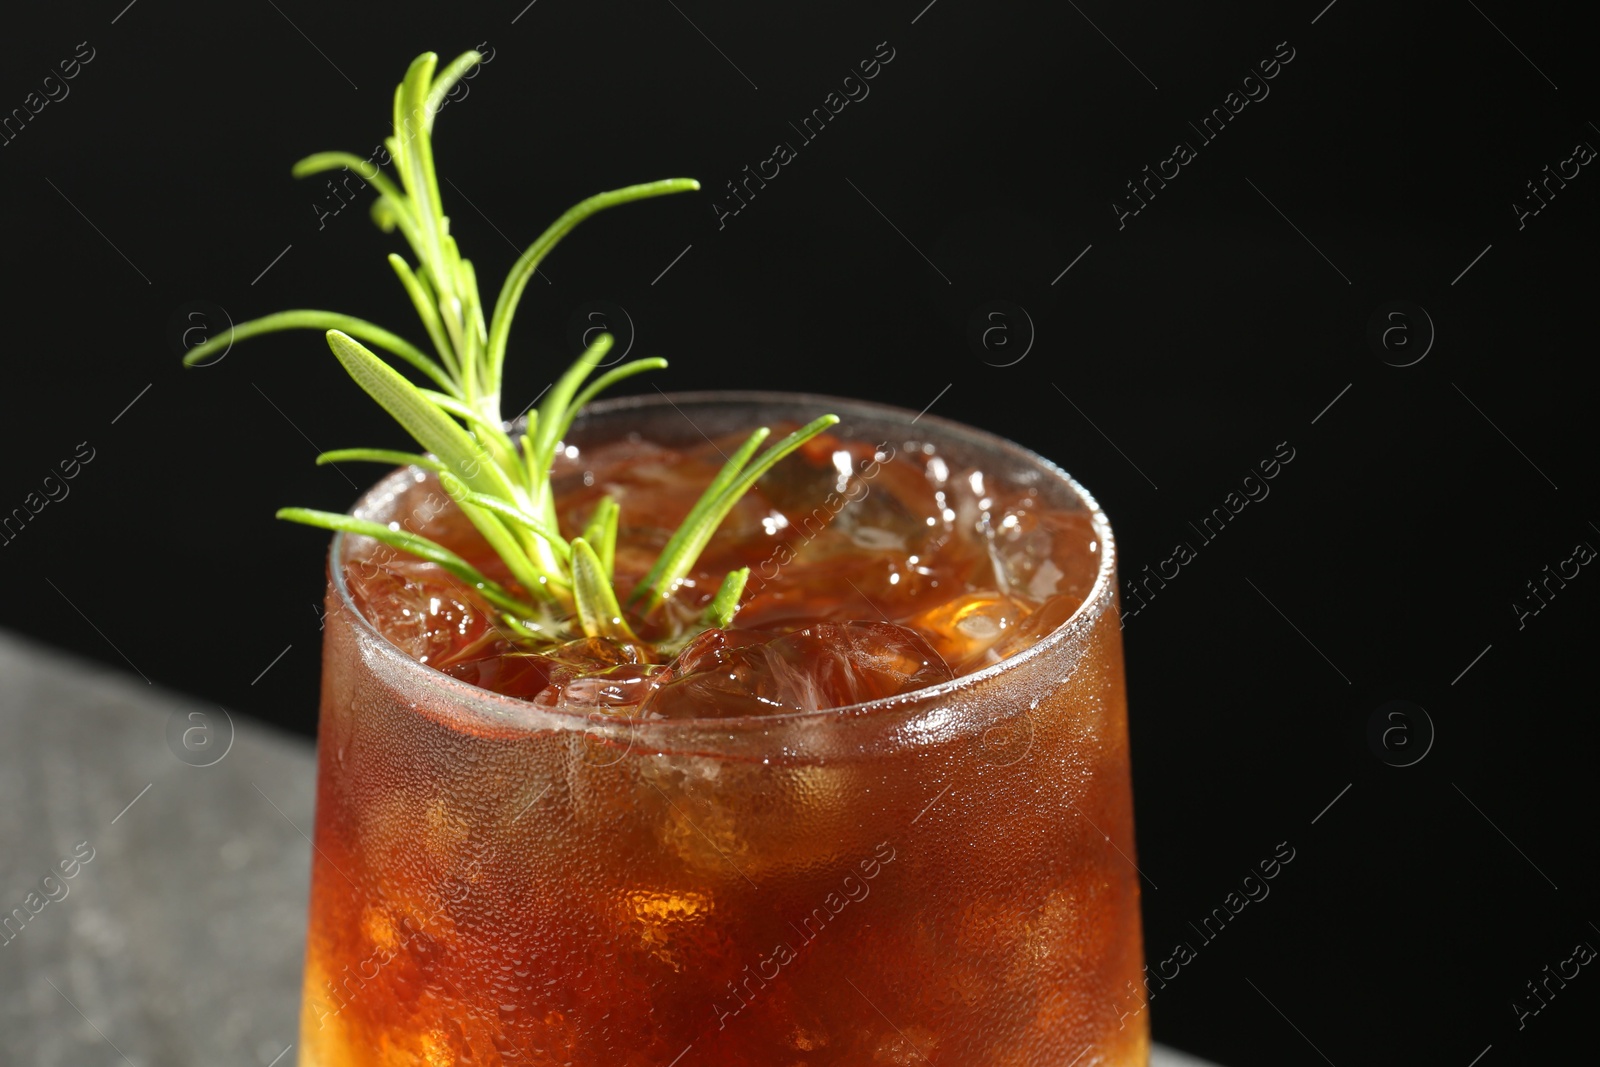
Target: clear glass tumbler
[(944, 877)]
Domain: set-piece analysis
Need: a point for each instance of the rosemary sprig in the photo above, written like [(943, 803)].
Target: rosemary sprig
[(501, 485)]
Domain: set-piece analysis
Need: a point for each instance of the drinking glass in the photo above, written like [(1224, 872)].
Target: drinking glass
[(941, 877)]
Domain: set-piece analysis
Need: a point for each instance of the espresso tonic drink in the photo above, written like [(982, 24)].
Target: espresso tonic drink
[(883, 818)]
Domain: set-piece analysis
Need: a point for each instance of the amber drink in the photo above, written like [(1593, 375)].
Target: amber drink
[(885, 818)]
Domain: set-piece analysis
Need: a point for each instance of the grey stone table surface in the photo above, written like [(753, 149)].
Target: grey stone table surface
[(154, 908)]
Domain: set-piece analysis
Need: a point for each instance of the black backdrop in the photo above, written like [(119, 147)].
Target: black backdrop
[(1157, 354)]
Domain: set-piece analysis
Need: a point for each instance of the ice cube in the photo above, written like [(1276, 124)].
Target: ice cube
[(725, 673), (966, 629), (671, 925), (828, 488), (598, 673), (425, 613), (690, 800), (511, 673), (1039, 554), (1050, 615), (732, 820)]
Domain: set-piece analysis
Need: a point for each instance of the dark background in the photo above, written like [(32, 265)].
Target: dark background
[(1191, 341)]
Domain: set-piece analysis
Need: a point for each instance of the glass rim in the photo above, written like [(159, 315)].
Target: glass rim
[(520, 711)]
